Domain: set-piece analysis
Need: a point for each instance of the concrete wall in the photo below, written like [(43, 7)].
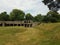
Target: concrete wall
[(16, 23)]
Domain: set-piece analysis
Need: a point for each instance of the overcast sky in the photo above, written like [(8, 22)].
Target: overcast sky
[(28, 6)]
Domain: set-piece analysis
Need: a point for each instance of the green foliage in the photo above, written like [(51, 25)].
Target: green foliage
[(4, 16), (38, 18), (28, 16), (17, 15), (51, 17)]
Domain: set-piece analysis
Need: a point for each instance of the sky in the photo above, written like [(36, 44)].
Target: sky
[(28, 6)]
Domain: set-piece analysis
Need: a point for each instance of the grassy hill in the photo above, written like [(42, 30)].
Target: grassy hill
[(43, 34)]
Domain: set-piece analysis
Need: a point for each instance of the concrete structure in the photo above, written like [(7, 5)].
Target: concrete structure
[(26, 23)]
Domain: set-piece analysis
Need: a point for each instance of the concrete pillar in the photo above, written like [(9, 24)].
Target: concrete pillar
[(3, 24), (12, 24)]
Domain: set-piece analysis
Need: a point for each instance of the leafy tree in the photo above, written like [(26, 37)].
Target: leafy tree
[(58, 17), (28, 16), (51, 17), (17, 15), (4, 16), (38, 18)]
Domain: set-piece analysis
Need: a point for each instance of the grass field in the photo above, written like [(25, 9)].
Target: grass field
[(43, 34)]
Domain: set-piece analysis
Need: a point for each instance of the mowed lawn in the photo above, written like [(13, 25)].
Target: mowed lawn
[(43, 34)]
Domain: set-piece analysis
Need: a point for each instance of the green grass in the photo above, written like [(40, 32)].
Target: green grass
[(43, 34)]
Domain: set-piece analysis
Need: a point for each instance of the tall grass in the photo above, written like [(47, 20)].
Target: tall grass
[(43, 34)]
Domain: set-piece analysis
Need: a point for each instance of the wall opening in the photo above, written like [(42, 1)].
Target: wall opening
[(15, 24), (1, 24), (11, 25), (25, 25), (6, 24), (19, 25), (30, 25), (22, 24)]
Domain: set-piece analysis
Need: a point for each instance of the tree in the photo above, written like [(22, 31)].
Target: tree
[(58, 17), (51, 17), (38, 18), (28, 16), (4, 16), (17, 15)]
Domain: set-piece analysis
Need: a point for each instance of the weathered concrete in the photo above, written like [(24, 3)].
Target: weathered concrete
[(25, 23)]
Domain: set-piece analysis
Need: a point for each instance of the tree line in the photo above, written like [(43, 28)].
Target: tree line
[(19, 15)]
